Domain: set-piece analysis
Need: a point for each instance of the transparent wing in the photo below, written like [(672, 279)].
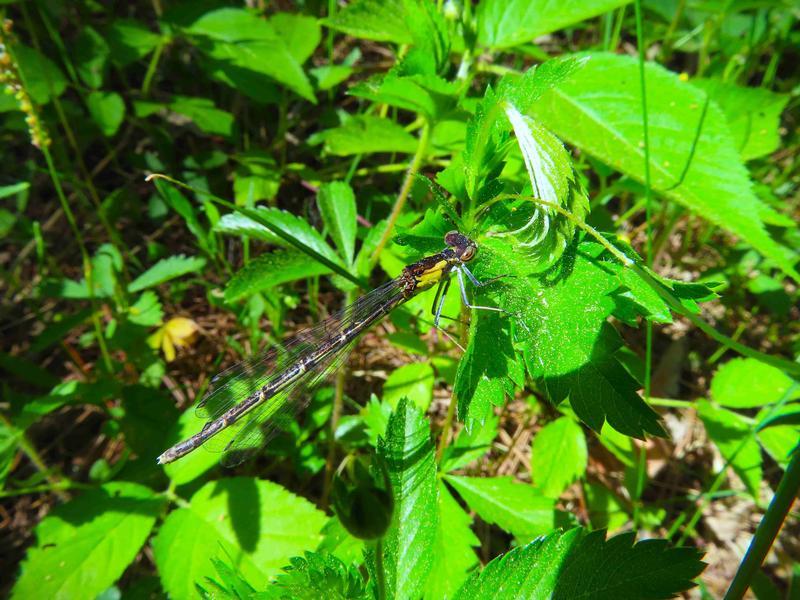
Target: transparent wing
[(279, 412), (247, 377)]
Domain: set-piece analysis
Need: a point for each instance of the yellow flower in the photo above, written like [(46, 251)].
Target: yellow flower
[(178, 331)]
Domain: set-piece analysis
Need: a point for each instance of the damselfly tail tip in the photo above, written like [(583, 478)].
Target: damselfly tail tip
[(163, 459)]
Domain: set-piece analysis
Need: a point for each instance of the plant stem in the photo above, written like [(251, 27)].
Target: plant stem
[(768, 529), (336, 413), (419, 155), (380, 576)]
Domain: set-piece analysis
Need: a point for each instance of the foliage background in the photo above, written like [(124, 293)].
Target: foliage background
[(122, 296)]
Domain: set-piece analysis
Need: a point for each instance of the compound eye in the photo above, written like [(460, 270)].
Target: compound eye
[(468, 254)]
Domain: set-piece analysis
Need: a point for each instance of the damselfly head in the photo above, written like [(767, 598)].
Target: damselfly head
[(464, 247)]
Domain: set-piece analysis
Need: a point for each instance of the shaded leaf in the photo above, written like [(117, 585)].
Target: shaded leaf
[(337, 203), (257, 523), (558, 457), (269, 270), (166, 269)]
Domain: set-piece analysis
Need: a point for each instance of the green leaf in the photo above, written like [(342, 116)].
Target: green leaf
[(575, 564), (529, 572), (428, 95), (43, 79), (734, 437), (129, 40), (414, 382), (470, 445), (515, 507), (204, 114), (83, 546), (568, 345), (146, 310), (300, 33), (318, 575), (271, 269), (107, 110), (91, 57), (236, 42), (506, 23), (380, 20), (237, 224), (558, 456), (753, 115), (257, 523), (489, 369), (257, 177), (599, 110), (337, 203), (408, 454), (454, 549), (778, 434), (14, 188), (166, 269), (749, 383), (8, 450), (365, 134)]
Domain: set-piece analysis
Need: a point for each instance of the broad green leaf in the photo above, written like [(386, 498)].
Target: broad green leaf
[(753, 115), (178, 202), (414, 382), (599, 110), (204, 114), (780, 432), (166, 269), (237, 224), (379, 20), (525, 573), (569, 346), (91, 57), (257, 523), (329, 76), (487, 141), (83, 546), (257, 177), (365, 134), (146, 310), (107, 110), (300, 33), (408, 454), (488, 371), (515, 507), (506, 23), (237, 41), (130, 40), (577, 564), (470, 445), (558, 456), (43, 79), (454, 549), (337, 203), (318, 575), (749, 383), (735, 438), (269, 270), (427, 95)]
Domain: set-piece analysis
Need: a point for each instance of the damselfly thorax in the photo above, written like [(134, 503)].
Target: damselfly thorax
[(256, 394)]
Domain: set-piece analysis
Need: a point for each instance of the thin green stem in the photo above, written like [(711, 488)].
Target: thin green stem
[(336, 413), (648, 369), (56, 483), (151, 68), (380, 576), (768, 528), (405, 190)]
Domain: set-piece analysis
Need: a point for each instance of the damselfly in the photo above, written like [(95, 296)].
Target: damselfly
[(256, 395)]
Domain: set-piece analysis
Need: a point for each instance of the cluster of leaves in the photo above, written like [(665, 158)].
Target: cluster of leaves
[(245, 111)]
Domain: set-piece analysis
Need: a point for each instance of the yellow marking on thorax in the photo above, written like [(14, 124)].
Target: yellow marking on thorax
[(432, 275)]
